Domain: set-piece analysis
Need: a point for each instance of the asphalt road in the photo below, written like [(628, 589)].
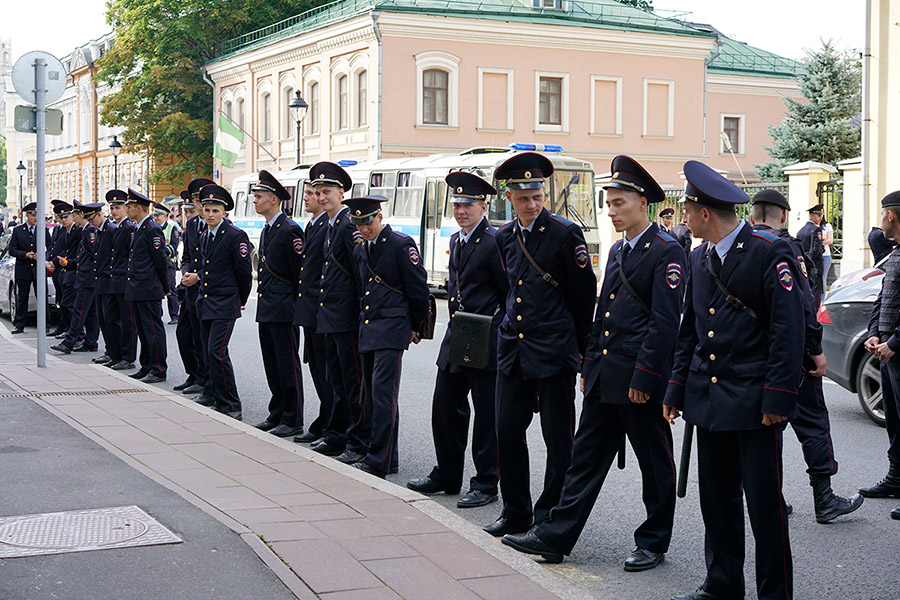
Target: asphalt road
[(854, 557)]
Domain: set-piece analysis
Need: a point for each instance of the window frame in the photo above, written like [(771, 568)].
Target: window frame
[(510, 96), (617, 79), (670, 121), (563, 126), (739, 149), (444, 61)]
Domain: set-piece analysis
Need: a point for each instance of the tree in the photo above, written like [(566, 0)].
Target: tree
[(156, 63), (820, 129), (3, 174)]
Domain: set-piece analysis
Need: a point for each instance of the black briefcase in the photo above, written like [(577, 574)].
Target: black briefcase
[(470, 340)]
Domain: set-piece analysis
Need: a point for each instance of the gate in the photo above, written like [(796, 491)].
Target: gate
[(831, 196)]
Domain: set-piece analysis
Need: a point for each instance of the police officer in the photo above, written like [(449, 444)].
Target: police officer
[(115, 306), (188, 331), (477, 284), (884, 343), (107, 309), (57, 249), (346, 432), (280, 248), (542, 338), (810, 236), (146, 285), (394, 304), (22, 246), (173, 239), (813, 429), (225, 279), (84, 330), (737, 367), (306, 310), (683, 235), (626, 370), (666, 218), (68, 261)]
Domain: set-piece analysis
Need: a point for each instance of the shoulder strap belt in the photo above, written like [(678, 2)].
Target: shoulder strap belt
[(544, 275), (381, 281), (630, 289), (729, 297)]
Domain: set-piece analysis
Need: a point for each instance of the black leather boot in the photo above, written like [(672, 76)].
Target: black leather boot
[(889, 487), (830, 506)]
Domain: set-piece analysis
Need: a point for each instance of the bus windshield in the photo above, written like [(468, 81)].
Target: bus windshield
[(571, 195)]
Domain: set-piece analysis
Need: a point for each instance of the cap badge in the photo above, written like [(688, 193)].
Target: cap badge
[(459, 190), (358, 212), (527, 174), (321, 175), (616, 175)]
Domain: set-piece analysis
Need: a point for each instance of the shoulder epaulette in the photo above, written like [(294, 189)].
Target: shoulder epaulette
[(490, 231), (703, 245), (399, 233), (507, 224), (769, 237), (233, 227), (665, 237), (561, 220)]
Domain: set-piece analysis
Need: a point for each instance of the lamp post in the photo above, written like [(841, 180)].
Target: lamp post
[(115, 147), (298, 108), (21, 170)]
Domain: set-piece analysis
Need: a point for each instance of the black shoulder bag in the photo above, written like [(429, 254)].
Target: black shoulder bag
[(470, 336)]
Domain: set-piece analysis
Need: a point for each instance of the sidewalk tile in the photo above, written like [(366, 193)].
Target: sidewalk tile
[(350, 529), (253, 516), (272, 483), (175, 412), (90, 416), (130, 440), (418, 578), (170, 461), (208, 427), (197, 477), (305, 471), (235, 465), (326, 567), (376, 548), (508, 587), (134, 412), (235, 497), (398, 517), (59, 400), (381, 593), (307, 499), (457, 556), (351, 491), (325, 512), (203, 450), (289, 531)]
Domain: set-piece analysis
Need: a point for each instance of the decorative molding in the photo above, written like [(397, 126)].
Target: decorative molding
[(617, 79), (670, 119), (748, 84), (510, 95)]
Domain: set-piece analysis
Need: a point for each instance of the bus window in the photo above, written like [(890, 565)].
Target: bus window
[(572, 197), (382, 184), (288, 205), (359, 190), (240, 199), (500, 211), (410, 186)]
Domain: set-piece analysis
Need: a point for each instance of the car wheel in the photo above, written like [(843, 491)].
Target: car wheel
[(11, 296), (868, 388)]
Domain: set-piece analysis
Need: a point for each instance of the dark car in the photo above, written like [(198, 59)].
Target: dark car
[(8, 282), (845, 320)]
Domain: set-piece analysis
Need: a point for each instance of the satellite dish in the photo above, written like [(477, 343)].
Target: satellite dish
[(54, 79)]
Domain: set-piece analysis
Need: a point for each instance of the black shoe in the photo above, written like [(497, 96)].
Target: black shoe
[(349, 457), (194, 388), (61, 335), (18, 330), (56, 332), (140, 374), (700, 594), (173, 321), (829, 506), (152, 378), (367, 468), (122, 365), (308, 438), (327, 449), (183, 386), (532, 544), (503, 525), (101, 360), (642, 559), (204, 400), (889, 487), (895, 513), (83, 347), (284, 431), (60, 347), (475, 498), (235, 414), (426, 485), (788, 508), (266, 425)]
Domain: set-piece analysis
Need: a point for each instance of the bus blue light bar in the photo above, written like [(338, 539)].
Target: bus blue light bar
[(346, 163), (536, 147)]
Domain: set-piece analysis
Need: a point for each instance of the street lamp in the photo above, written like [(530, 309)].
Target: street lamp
[(298, 108), (115, 147), (21, 170)]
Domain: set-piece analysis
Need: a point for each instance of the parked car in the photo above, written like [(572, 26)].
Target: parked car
[(8, 282), (859, 275), (845, 320)]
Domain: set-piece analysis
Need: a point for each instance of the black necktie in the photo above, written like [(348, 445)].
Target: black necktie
[(460, 246), (525, 233), (715, 262), (265, 235), (626, 249)]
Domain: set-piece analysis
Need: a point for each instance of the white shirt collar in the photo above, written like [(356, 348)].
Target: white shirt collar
[(141, 222)]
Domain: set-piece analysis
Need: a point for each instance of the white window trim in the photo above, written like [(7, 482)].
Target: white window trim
[(563, 102), (339, 68), (436, 59), (358, 62), (264, 86), (289, 126), (670, 124), (739, 151), (618, 82), (509, 94), (312, 75)]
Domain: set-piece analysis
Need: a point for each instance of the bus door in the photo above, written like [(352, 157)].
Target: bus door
[(433, 255)]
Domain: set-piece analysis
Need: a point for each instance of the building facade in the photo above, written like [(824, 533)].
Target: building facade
[(387, 78)]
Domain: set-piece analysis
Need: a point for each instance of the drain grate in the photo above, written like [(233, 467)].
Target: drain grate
[(89, 392), (81, 530), (15, 395)]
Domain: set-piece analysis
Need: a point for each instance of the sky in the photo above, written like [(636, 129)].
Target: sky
[(785, 27)]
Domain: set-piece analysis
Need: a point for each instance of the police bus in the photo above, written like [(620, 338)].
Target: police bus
[(418, 200)]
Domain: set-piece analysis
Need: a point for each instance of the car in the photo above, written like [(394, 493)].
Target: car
[(859, 275), (8, 282), (844, 316)]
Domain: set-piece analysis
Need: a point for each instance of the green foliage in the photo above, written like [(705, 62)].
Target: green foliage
[(161, 46), (642, 4), (820, 129), (3, 174)]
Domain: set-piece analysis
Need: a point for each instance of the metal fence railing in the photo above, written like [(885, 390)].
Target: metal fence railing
[(674, 195), (831, 195)]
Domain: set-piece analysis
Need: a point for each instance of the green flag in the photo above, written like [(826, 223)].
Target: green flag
[(228, 142)]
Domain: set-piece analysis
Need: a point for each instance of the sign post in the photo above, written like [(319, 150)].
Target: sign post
[(47, 83)]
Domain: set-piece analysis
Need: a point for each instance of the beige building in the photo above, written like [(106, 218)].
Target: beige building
[(411, 77)]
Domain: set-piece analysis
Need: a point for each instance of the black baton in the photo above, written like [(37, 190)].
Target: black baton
[(621, 455), (683, 468)]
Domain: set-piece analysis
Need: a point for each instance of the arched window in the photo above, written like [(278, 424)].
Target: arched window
[(312, 118), (343, 105), (227, 108), (265, 117), (434, 97), (239, 112), (362, 100), (287, 122), (437, 85)]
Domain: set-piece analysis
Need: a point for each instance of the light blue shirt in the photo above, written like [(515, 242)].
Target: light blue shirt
[(141, 222), (215, 230), (724, 245), (271, 221), (464, 237), (633, 242)]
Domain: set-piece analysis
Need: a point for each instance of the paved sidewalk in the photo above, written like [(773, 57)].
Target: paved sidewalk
[(324, 529)]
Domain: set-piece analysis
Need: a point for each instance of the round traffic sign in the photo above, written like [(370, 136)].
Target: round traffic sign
[(23, 76)]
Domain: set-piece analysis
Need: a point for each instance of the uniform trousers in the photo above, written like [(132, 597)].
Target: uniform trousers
[(128, 339), (348, 421), (517, 401), (173, 300), (601, 432), (749, 461), (216, 336), (85, 324), (190, 343), (23, 291), (146, 320), (65, 306), (813, 428), (57, 284), (450, 427), (280, 346), (314, 356), (381, 389), (890, 401), (110, 325)]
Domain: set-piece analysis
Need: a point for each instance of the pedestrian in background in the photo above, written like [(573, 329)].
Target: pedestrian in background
[(23, 247)]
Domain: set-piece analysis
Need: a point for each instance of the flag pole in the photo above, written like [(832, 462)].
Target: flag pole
[(249, 136)]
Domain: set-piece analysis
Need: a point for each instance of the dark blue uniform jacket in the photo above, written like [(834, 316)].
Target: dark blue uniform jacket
[(339, 290), (307, 306), (104, 257), (121, 245), (227, 273), (278, 272), (21, 242), (147, 278), (73, 243), (87, 248)]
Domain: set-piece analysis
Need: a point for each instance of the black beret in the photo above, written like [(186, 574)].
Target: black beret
[(773, 197)]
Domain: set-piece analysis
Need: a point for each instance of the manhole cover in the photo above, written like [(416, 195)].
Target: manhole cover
[(76, 531)]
